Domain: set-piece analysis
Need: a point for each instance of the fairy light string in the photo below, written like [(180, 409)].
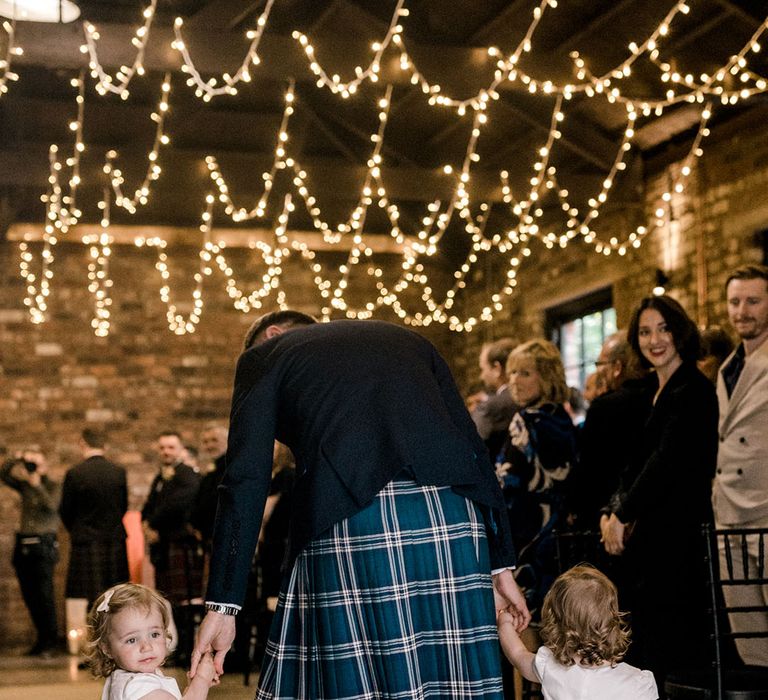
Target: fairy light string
[(211, 88), (141, 195), (118, 84), (513, 245), (11, 50)]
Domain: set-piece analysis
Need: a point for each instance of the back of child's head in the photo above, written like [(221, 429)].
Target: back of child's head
[(112, 601), (581, 619)]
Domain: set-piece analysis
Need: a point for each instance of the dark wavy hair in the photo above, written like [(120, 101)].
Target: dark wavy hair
[(685, 335), (580, 618)]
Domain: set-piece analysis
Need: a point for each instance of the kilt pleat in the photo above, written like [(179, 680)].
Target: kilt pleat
[(95, 566), (393, 602), (181, 580)]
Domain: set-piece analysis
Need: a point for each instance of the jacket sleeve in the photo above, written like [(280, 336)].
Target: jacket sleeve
[(502, 550), (245, 484)]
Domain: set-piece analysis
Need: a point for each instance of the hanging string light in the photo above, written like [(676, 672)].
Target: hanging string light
[(61, 212), (119, 83), (211, 88), (99, 281), (279, 162), (11, 50), (115, 175)]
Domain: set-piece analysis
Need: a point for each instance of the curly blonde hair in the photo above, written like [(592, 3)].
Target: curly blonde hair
[(549, 365), (109, 603), (581, 619)]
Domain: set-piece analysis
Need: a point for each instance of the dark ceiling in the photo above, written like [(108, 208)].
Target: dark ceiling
[(330, 137)]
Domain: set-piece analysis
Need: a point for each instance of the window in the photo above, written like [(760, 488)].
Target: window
[(579, 328)]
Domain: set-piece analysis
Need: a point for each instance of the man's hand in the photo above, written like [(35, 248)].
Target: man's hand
[(216, 634), (612, 530), (508, 597)]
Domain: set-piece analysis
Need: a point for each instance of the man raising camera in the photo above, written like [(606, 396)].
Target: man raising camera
[(36, 551)]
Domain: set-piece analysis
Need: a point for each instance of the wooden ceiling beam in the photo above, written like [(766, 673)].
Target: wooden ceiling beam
[(595, 149), (481, 34), (185, 168), (224, 14)]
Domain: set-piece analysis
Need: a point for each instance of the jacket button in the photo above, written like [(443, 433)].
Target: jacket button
[(742, 440), (739, 471), (722, 439), (719, 471)]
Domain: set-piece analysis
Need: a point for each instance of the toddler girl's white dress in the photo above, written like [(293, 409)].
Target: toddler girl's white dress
[(576, 682), (125, 685)]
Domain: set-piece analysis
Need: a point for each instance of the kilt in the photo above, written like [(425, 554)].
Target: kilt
[(95, 566), (179, 576), (393, 602)]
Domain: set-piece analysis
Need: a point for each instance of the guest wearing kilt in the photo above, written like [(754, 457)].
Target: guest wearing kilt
[(175, 552), (399, 549), (94, 500)]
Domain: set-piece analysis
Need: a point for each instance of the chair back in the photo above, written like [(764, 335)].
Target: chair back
[(736, 558)]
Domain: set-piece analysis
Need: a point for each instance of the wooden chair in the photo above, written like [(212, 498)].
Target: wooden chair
[(721, 680)]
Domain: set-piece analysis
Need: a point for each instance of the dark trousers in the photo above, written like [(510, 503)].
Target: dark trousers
[(34, 558)]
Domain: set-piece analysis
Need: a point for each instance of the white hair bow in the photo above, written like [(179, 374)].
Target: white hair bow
[(104, 604)]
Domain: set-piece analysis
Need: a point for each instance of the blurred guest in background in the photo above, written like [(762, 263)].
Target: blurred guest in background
[(536, 458), (94, 500), (37, 549), (716, 345), (493, 413)]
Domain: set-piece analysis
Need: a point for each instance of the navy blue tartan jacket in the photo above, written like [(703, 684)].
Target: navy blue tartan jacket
[(358, 402)]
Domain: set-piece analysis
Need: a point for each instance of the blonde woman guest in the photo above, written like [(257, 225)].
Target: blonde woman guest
[(537, 456), (584, 639)]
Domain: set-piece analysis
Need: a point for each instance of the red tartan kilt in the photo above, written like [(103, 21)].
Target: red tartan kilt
[(182, 579)]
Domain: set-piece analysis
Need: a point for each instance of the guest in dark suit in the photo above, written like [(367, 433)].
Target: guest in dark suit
[(397, 518), (664, 495), (174, 551), (93, 502), (611, 431)]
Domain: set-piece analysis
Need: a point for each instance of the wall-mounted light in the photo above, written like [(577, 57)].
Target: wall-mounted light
[(39, 10), (662, 282)]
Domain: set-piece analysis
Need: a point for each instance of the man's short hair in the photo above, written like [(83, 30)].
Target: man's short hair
[(498, 351), (749, 272), (286, 318), (96, 439), (170, 433)]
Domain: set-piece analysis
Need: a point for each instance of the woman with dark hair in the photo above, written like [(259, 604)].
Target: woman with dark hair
[(654, 519)]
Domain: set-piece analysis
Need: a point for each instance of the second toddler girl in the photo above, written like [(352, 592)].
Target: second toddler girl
[(584, 640), (128, 642)]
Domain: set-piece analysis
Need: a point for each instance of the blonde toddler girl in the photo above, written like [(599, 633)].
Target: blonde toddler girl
[(584, 641), (128, 634)]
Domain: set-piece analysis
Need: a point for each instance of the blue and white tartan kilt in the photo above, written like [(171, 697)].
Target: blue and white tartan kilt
[(393, 602)]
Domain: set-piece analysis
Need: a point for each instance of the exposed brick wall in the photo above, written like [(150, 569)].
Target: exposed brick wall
[(57, 377)]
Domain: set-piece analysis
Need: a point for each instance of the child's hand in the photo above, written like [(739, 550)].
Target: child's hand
[(206, 670), (506, 619)]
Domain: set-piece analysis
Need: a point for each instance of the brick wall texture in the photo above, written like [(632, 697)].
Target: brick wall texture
[(57, 377)]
